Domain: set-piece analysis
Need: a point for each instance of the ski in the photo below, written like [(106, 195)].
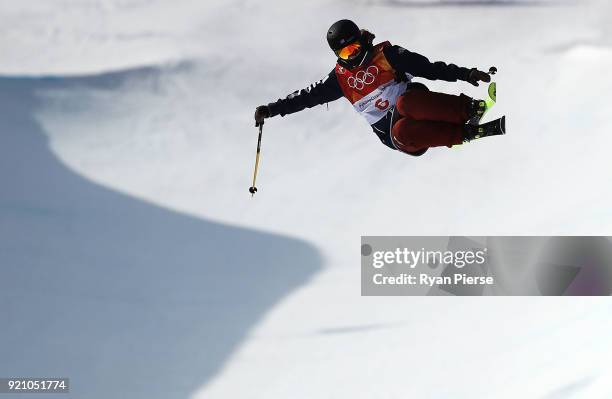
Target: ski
[(494, 128), (488, 103)]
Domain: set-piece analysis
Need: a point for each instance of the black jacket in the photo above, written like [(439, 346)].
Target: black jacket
[(402, 60)]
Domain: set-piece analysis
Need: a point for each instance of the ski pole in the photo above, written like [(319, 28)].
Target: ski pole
[(253, 189)]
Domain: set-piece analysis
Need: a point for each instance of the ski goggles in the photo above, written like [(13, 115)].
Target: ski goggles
[(349, 51)]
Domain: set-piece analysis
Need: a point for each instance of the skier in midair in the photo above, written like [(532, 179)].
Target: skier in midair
[(376, 79)]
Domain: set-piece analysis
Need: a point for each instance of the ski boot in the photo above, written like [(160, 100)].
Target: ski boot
[(494, 128), (476, 111), (478, 108)]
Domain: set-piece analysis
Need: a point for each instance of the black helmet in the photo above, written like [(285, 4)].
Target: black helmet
[(345, 32), (342, 33)]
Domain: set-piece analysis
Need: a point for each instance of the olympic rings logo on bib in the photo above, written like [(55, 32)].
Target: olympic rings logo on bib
[(363, 78)]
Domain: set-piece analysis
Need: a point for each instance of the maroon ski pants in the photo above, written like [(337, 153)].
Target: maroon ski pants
[(429, 119)]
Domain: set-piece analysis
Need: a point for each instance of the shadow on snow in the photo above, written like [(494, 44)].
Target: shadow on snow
[(125, 298)]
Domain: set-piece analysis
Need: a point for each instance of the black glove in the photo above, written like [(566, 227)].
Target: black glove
[(476, 76), (261, 112)]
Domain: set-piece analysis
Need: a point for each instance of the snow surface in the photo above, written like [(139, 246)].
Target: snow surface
[(135, 262)]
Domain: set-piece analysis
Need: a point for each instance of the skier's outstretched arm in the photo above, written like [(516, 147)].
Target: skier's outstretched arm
[(321, 92), (416, 64)]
